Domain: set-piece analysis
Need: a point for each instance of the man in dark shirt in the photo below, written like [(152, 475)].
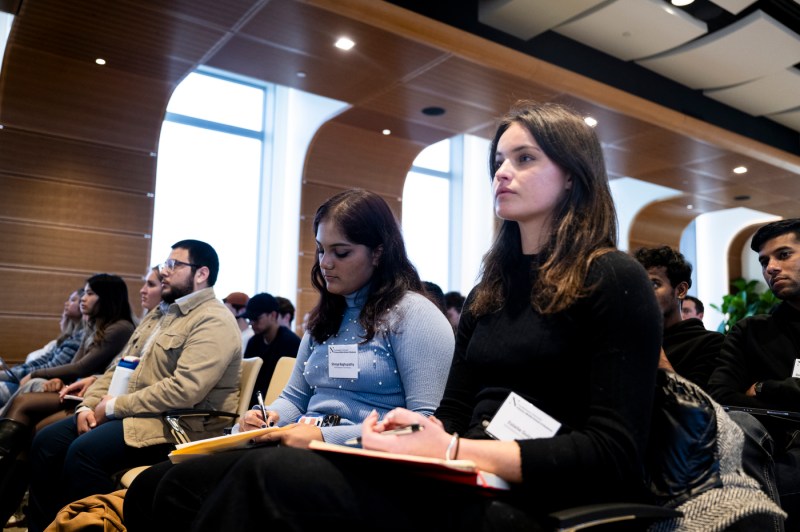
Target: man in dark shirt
[(271, 340), (692, 351), (759, 365)]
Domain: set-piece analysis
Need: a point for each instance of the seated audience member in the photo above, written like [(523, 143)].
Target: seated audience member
[(691, 350), (236, 303), (150, 292), (453, 302), (190, 357), (758, 362), (110, 323), (58, 352), (560, 318), (371, 310), (271, 340), (285, 312), (691, 307), (435, 294)]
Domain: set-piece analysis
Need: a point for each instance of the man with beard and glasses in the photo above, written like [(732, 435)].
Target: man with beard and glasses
[(189, 351)]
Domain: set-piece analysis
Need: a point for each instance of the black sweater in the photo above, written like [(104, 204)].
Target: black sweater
[(692, 350), (592, 367)]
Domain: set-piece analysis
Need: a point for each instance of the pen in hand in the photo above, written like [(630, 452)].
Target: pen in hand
[(262, 407), (408, 429)]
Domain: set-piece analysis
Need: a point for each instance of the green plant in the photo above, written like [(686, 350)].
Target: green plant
[(745, 301)]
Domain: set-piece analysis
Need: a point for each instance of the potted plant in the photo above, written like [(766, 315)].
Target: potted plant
[(744, 301)]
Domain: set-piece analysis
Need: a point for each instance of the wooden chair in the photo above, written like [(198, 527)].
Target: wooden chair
[(283, 370)]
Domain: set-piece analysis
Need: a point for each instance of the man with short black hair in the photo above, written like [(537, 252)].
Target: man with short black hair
[(189, 356), (691, 307), (271, 340), (759, 366), (691, 350), (285, 312)]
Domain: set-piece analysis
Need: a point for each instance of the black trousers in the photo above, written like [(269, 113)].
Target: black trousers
[(282, 488)]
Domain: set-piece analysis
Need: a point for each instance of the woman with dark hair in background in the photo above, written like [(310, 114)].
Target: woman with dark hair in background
[(560, 318), (110, 323), (372, 313)]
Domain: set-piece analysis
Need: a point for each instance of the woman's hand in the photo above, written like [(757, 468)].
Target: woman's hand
[(431, 441), (76, 388), (297, 435), (53, 385), (253, 419)]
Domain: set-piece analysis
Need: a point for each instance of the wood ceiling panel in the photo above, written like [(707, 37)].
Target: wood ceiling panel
[(81, 101), (660, 223), (57, 203), (757, 171), (166, 46), (403, 102), (311, 31), (327, 78), (758, 197), (209, 12), (25, 154), (683, 179), (478, 86), (374, 121)]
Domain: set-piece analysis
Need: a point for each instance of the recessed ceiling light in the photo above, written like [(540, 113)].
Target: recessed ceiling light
[(741, 197), (740, 170), (690, 206), (301, 74), (433, 111), (387, 132), (344, 43), (100, 61), (591, 122), (681, 3)]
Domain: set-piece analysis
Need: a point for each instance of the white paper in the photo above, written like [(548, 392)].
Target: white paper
[(518, 419)]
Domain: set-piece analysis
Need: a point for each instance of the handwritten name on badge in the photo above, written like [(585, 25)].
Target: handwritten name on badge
[(343, 361), (518, 419)]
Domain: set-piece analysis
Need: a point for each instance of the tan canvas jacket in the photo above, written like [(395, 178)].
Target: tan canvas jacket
[(193, 361)]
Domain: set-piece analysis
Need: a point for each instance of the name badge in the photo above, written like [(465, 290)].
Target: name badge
[(796, 372), (343, 361), (519, 419)]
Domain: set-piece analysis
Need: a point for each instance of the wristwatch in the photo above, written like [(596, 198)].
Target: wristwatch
[(757, 388)]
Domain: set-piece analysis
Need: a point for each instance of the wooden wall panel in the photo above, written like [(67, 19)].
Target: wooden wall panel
[(19, 335), (67, 204), (72, 250), (27, 154)]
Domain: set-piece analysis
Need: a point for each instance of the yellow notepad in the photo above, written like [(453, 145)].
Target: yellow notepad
[(240, 440)]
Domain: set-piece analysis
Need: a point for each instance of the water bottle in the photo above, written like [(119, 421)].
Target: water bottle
[(122, 374)]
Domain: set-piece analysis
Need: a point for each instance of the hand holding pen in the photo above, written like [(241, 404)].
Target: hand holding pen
[(430, 439)]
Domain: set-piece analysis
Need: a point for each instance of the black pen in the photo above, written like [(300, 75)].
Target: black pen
[(262, 407), (408, 429)]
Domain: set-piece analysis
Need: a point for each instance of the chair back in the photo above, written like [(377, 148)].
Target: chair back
[(250, 369), (283, 370)]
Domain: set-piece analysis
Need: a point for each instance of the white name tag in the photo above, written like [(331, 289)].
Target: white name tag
[(519, 419), (796, 372), (343, 361)]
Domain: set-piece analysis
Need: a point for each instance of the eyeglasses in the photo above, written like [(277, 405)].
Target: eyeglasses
[(171, 264)]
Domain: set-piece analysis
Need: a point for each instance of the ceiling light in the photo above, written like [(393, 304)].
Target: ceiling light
[(344, 43), (681, 3), (690, 206), (591, 122), (433, 111), (387, 131), (100, 61), (741, 197), (301, 74), (740, 170)]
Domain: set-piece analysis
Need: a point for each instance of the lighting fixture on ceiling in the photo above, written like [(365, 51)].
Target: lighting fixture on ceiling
[(387, 131), (590, 121), (433, 111), (741, 197), (100, 61), (301, 74), (690, 206), (344, 43), (740, 170), (681, 3)]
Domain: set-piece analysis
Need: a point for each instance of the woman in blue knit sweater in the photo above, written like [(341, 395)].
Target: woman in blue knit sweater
[(374, 343)]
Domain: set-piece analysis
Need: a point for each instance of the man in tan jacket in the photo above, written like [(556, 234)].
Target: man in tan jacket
[(189, 352)]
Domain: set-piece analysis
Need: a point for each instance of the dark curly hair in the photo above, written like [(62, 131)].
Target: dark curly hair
[(677, 267)]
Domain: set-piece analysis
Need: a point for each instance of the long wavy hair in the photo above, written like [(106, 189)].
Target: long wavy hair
[(112, 305), (364, 218), (582, 227)]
